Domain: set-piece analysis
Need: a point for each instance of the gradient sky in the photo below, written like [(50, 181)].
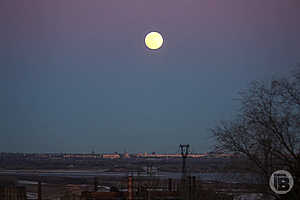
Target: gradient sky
[(76, 75)]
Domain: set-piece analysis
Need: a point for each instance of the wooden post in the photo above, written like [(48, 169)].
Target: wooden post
[(39, 190), (130, 188), (170, 185), (190, 188), (95, 184), (194, 187), (148, 194)]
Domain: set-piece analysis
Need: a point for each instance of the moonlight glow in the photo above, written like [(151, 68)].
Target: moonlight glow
[(154, 40)]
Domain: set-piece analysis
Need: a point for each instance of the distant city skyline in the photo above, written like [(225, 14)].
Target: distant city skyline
[(116, 155), (77, 75)]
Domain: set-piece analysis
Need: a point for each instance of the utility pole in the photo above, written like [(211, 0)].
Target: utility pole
[(184, 153), (130, 191), (95, 184), (39, 190)]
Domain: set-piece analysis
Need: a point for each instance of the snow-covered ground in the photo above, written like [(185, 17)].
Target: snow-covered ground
[(31, 196)]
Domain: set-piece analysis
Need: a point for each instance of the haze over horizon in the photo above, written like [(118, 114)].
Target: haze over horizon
[(76, 75)]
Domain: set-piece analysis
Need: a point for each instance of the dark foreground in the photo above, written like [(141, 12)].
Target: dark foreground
[(207, 179)]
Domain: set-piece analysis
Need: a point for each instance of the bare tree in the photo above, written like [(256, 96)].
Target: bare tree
[(267, 127)]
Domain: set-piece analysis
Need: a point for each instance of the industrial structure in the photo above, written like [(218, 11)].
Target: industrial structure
[(184, 154)]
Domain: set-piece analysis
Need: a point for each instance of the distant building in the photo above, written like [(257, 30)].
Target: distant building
[(125, 155), (111, 156), (81, 156), (156, 155)]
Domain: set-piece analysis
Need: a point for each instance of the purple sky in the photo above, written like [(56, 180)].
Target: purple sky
[(76, 75)]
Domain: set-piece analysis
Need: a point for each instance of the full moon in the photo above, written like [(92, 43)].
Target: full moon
[(154, 40)]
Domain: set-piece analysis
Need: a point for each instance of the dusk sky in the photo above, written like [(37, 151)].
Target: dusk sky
[(76, 74)]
